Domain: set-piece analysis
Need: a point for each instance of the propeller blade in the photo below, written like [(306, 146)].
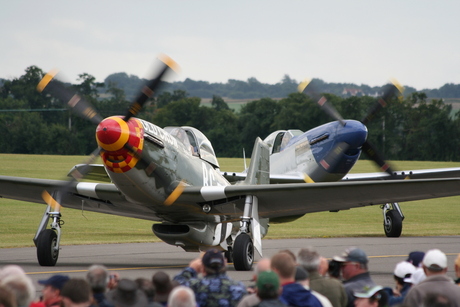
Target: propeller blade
[(330, 110), (308, 89), (372, 152), (331, 160), (390, 91), (51, 201), (78, 104), (81, 172), (148, 90), (175, 194)]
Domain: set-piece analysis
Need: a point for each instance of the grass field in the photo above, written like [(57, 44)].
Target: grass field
[(19, 220)]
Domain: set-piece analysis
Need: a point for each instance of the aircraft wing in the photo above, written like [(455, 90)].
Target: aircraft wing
[(275, 200), (96, 197), (453, 172), (279, 200)]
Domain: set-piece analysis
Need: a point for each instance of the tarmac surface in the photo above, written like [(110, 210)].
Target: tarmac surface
[(144, 259)]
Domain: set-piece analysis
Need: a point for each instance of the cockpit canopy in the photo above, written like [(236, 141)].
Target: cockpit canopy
[(197, 142), (279, 139)]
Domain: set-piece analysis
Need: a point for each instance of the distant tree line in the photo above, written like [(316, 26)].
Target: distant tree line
[(410, 128)]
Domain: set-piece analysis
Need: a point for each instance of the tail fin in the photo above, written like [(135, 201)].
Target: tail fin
[(259, 169)]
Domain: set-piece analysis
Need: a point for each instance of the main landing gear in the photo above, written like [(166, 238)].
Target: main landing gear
[(47, 240), (242, 252), (392, 220)]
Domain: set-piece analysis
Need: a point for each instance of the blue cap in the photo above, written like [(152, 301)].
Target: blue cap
[(56, 281), (213, 259)]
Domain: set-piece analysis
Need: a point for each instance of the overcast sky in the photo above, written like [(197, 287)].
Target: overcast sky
[(416, 41)]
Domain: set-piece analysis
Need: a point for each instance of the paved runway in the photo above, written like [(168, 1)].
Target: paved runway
[(143, 259)]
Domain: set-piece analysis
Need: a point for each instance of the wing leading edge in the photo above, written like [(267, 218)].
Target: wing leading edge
[(295, 199)]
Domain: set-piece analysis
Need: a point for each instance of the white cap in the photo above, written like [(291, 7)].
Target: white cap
[(417, 277), (403, 268), (435, 260)]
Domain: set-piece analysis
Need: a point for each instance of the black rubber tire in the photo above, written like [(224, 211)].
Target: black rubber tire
[(394, 227), (229, 255), (243, 253), (46, 254)]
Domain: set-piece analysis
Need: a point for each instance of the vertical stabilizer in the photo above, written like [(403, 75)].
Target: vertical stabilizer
[(259, 169)]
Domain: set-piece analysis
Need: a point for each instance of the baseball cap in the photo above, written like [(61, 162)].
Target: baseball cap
[(415, 258), (435, 260), (352, 254), (56, 281), (213, 259), (404, 268), (368, 292), (267, 283), (417, 277)]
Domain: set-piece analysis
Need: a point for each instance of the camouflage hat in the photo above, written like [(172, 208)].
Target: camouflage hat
[(213, 259)]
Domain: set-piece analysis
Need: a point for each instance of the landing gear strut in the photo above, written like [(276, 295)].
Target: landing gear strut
[(243, 247), (47, 240), (392, 220)]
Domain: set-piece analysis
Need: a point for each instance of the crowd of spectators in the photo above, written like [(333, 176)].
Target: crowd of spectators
[(285, 279)]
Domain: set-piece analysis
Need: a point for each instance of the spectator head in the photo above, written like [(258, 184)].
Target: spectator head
[(213, 261), (301, 275), (416, 258), (163, 286), (268, 285), (352, 262), (11, 269), (323, 266), (126, 294), (309, 259), (371, 296), (52, 286), (7, 298), (182, 297), (283, 265), (76, 291), (457, 266), (55, 281), (434, 262), (97, 278), (22, 288), (147, 287), (261, 266), (403, 271)]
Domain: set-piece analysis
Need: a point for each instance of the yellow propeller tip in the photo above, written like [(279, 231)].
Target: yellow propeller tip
[(50, 200), (46, 80), (175, 194), (303, 85), (170, 62), (398, 85), (308, 179)]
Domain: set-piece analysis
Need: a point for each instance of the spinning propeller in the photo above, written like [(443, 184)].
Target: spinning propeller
[(333, 157), (112, 133)]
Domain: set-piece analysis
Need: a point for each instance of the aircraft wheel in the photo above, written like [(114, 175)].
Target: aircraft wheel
[(243, 253), (393, 226), (46, 253), (229, 255)]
